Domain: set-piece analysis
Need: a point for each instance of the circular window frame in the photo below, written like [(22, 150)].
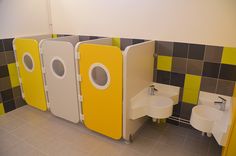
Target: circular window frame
[(107, 73), (52, 70), (23, 60)]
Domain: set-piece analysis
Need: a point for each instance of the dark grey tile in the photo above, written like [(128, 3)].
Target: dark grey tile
[(1, 46), (9, 105), (196, 51), (7, 95), (165, 48), (208, 84), (83, 38), (16, 92), (213, 54), (179, 65), (186, 110), (194, 67), (225, 87), (7, 43), (180, 50), (177, 110), (0, 97), (211, 69), (3, 59), (177, 79), (227, 72), (137, 41), (10, 57), (156, 47), (125, 42), (19, 102), (5, 83), (163, 77), (4, 71)]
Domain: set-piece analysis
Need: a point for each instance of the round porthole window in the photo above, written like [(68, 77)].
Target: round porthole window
[(58, 67), (28, 62), (99, 76)]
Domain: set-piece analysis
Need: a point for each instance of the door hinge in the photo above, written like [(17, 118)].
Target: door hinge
[(79, 78), (77, 56), (80, 98), (81, 117)]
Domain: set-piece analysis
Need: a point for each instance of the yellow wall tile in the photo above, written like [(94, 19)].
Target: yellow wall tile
[(1, 109), (164, 63), (13, 75), (116, 42), (192, 82), (229, 56), (54, 35), (190, 96)]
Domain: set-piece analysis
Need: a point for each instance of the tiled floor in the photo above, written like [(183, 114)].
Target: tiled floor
[(30, 132)]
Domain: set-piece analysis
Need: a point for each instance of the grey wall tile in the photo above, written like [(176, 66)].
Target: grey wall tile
[(19, 102), (225, 87), (1, 46), (196, 51), (165, 48), (179, 65), (2, 59), (125, 42), (180, 50), (194, 67), (213, 54), (7, 43), (5, 83), (186, 110), (16, 92), (208, 84), (10, 57)]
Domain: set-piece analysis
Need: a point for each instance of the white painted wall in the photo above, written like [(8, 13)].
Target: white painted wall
[(197, 21), (23, 18)]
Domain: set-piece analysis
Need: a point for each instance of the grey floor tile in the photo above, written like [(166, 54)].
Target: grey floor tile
[(7, 142), (142, 145), (40, 133), (23, 149)]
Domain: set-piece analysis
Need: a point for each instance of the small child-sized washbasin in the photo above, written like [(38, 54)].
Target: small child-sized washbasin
[(203, 117), (158, 105), (213, 116)]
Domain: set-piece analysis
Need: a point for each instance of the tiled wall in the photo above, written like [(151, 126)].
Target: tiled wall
[(195, 68), (10, 94)]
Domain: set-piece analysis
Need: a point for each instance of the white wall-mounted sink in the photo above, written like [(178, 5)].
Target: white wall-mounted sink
[(203, 117), (207, 117), (158, 106)]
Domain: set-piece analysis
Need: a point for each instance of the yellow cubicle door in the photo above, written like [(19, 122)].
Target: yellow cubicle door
[(101, 88), (28, 58)]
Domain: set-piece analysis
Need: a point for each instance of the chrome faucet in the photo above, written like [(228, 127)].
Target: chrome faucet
[(221, 103), (152, 90)]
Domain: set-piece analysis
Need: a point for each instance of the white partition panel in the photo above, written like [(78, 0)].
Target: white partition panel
[(138, 74)]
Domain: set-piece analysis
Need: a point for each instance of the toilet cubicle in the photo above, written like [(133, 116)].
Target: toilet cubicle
[(59, 66), (109, 78), (27, 57)]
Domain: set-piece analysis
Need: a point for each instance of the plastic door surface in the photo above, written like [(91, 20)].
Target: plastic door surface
[(101, 88), (59, 63), (28, 56)]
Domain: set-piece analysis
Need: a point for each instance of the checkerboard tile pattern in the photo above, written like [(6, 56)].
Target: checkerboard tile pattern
[(10, 93), (195, 68)]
